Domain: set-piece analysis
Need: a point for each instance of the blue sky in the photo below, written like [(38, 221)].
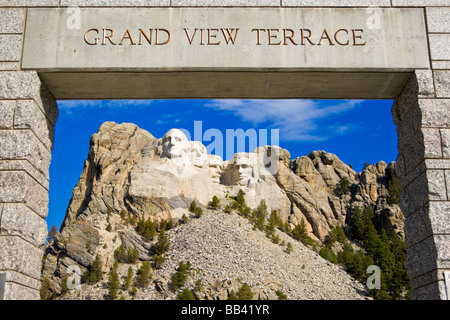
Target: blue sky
[(357, 131)]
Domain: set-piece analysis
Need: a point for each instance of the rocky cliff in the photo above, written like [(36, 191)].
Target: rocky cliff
[(131, 176)]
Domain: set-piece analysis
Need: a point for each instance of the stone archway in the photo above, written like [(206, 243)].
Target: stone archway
[(409, 61)]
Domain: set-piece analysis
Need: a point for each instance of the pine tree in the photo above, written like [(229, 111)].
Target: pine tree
[(52, 233), (96, 272), (46, 289), (113, 284), (163, 244), (193, 206), (289, 248), (158, 260), (300, 232), (394, 191), (132, 255), (344, 185), (120, 254), (215, 203), (129, 278), (186, 294), (244, 292), (144, 275)]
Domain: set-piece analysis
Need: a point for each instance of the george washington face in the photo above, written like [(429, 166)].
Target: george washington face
[(175, 144)]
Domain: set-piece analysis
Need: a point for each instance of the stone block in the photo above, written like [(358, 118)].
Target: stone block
[(29, 116), (439, 215), (438, 19), (430, 291), (436, 185), (25, 165), (10, 46), (439, 44), (21, 256), (24, 145), (29, 3), (20, 187), (417, 226), (420, 85), (445, 137), (432, 142), (336, 3), (115, 3), (18, 278), (442, 83), (435, 113), (11, 20), (9, 66), (419, 3), (6, 113), (425, 85), (225, 3), (16, 219), (415, 195), (421, 258), (27, 85), (447, 181), (14, 291), (441, 65), (411, 149)]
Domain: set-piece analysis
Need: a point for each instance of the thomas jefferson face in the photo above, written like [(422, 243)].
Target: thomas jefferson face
[(175, 144), (198, 154)]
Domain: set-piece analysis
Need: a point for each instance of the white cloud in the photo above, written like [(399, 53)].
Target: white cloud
[(297, 120), (71, 106)]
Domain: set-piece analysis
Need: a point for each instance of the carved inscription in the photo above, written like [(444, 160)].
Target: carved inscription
[(226, 36)]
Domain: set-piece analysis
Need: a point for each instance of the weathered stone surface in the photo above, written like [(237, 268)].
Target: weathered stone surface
[(6, 113), (29, 116), (64, 51), (440, 217), (445, 136), (441, 65), (419, 3), (27, 85), (435, 113), (421, 257), (10, 46), (14, 291), (439, 44), (224, 3), (438, 19), (425, 83), (9, 66), (21, 279), (21, 256), (442, 80), (25, 165), (115, 3), (18, 220), (29, 3), (19, 187), (415, 195), (11, 20), (433, 144), (417, 226), (447, 179), (23, 144), (336, 3)]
